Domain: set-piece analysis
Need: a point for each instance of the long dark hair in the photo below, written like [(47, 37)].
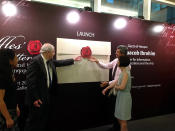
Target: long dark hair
[(5, 68)]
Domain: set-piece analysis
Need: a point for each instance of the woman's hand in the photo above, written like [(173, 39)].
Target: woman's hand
[(104, 91), (9, 123), (116, 87)]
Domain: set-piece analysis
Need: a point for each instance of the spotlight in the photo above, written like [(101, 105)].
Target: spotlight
[(80, 10), (158, 28), (130, 17), (169, 23), (141, 17), (87, 8), (8, 8), (120, 23), (73, 17)]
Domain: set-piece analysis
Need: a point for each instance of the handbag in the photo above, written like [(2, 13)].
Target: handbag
[(113, 91)]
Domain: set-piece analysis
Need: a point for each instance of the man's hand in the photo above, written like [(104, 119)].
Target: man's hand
[(9, 123), (17, 111), (78, 58), (37, 103), (93, 59), (104, 83)]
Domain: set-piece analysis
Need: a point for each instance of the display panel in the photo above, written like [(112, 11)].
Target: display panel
[(83, 70)]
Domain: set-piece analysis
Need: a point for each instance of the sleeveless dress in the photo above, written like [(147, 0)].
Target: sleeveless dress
[(123, 100)]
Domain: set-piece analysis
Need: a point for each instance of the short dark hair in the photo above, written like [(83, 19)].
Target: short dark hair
[(124, 61), (123, 49)]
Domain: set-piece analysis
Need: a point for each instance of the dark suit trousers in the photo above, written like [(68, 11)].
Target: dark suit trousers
[(38, 118)]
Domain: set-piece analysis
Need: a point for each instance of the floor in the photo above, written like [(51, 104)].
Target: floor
[(158, 123)]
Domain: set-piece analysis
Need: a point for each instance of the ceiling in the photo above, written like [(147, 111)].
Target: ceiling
[(171, 0), (168, 2)]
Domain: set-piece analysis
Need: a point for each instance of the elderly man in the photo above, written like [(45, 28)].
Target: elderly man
[(120, 51), (41, 81)]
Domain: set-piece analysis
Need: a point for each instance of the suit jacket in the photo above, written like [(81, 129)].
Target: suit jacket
[(36, 79)]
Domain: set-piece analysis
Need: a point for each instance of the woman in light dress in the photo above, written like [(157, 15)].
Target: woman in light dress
[(123, 86)]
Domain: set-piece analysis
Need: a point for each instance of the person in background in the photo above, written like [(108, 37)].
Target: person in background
[(42, 82), (120, 51), (9, 110), (123, 86)]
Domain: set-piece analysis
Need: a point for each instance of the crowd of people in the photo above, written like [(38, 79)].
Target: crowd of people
[(41, 79)]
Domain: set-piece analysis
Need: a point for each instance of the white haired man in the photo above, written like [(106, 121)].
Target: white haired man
[(42, 81)]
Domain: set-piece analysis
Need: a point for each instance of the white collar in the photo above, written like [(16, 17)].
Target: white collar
[(43, 58)]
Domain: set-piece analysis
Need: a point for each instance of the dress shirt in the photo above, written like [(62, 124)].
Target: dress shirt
[(50, 70), (112, 65), (109, 66)]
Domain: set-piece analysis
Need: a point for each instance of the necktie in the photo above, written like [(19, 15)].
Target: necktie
[(113, 75), (50, 81)]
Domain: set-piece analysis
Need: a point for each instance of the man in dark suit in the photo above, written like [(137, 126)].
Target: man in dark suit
[(42, 81)]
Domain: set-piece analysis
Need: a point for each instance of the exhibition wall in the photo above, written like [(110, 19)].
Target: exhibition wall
[(80, 105)]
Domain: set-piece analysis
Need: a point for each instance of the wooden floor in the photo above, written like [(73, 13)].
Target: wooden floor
[(158, 123)]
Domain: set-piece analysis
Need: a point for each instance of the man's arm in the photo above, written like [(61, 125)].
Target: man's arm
[(59, 63), (102, 65)]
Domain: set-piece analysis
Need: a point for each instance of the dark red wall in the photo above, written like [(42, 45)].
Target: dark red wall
[(82, 105)]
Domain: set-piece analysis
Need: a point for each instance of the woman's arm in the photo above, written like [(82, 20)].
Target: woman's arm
[(4, 111), (112, 85), (123, 83)]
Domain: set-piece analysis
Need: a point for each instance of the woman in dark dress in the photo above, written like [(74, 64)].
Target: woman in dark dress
[(8, 105)]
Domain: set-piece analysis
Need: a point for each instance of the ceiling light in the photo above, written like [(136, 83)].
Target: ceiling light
[(8, 8), (158, 28), (120, 23), (73, 17)]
